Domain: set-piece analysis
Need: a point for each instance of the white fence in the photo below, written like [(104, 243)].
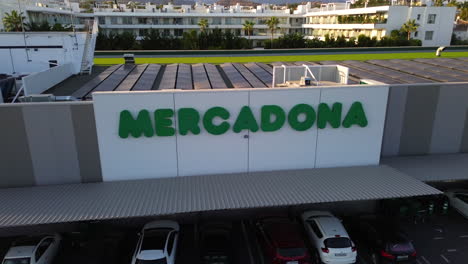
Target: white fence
[(39, 82)]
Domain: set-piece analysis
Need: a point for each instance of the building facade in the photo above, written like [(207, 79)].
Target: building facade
[(335, 19)]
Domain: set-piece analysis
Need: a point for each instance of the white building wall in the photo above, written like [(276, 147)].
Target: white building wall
[(18, 60)]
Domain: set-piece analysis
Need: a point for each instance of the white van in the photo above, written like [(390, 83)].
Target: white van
[(329, 238)]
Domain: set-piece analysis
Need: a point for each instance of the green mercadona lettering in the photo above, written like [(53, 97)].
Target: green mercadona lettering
[(301, 117)]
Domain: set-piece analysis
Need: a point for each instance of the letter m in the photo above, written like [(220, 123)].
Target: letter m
[(135, 127)]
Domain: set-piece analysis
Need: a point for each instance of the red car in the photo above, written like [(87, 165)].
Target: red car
[(282, 241)]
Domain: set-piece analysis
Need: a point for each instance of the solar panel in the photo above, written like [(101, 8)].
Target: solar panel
[(184, 77), (260, 73), (215, 78), (169, 77), (147, 79), (200, 78), (89, 86), (251, 78), (132, 78), (114, 79), (237, 80), (266, 67)]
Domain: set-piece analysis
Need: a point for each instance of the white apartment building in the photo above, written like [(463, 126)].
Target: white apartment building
[(335, 19), (435, 23)]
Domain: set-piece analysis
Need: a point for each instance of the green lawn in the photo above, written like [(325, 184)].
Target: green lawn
[(267, 59)]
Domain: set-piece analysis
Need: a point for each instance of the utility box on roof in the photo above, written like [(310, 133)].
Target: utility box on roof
[(309, 75)]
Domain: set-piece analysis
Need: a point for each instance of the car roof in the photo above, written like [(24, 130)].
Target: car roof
[(28, 241), (284, 234), (20, 252), (331, 226)]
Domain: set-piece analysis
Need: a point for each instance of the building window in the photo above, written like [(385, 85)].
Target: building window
[(127, 20), (155, 21), (418, 17), (102, 20), (177, 21), (142, 32), (178, 32), (216, 21), (429, 35), (142, 20), (114, 20), (166, 32), (431, 18), (415, 34), (166, 21)]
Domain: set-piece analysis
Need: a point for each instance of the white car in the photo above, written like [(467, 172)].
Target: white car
[(459, 200), (33, 250), (157, 243), (329, 238)]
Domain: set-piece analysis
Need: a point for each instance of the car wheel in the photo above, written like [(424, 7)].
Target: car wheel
[(375, 258)]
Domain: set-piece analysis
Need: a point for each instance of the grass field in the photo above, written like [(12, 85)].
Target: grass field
[(267, 59)]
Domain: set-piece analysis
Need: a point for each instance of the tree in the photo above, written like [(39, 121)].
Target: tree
[(272, 26), (42, 27), (248, 27), (14, 21), (203, 24), (409, 27), (438, 3)]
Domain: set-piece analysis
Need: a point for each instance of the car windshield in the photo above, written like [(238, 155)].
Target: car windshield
[(17, 261), (155, 238), (291, 252), (337, 242), (154, 261)]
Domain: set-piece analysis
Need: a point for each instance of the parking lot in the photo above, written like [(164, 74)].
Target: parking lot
[(439, 239)]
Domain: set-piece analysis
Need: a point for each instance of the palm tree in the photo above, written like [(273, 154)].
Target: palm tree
[(248, 27), (203, 24), (409, 26), (14, 21), (272, 26)]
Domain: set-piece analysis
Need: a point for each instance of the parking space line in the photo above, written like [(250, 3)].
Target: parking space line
[(446, 260), (452, 250), (464, 236), (438, 238), (418, 262), (425, 260)]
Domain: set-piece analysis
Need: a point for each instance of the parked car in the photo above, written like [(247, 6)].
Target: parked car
[(216, 243), (459, 201), (282, 241), (33, 250), (383, 240), (157, 243), (330, 241)]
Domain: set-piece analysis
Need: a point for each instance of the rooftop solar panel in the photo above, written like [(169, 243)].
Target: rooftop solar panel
[(216, 80), (200, 78), (89, 86), (260, 73), (169, 77), (237, 80), (249, 76), (184, 77), (132, 78), (114, 79), (147, 79), (266, 67)]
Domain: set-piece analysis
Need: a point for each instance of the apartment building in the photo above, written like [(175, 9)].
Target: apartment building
[(334, 19), (338, 19)]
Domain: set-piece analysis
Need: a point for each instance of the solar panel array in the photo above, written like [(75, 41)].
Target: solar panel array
[(200, 78), (169, 78), (148, 78), (259, 75)]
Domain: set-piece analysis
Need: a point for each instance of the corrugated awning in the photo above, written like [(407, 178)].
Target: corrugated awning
[(156, 197)]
